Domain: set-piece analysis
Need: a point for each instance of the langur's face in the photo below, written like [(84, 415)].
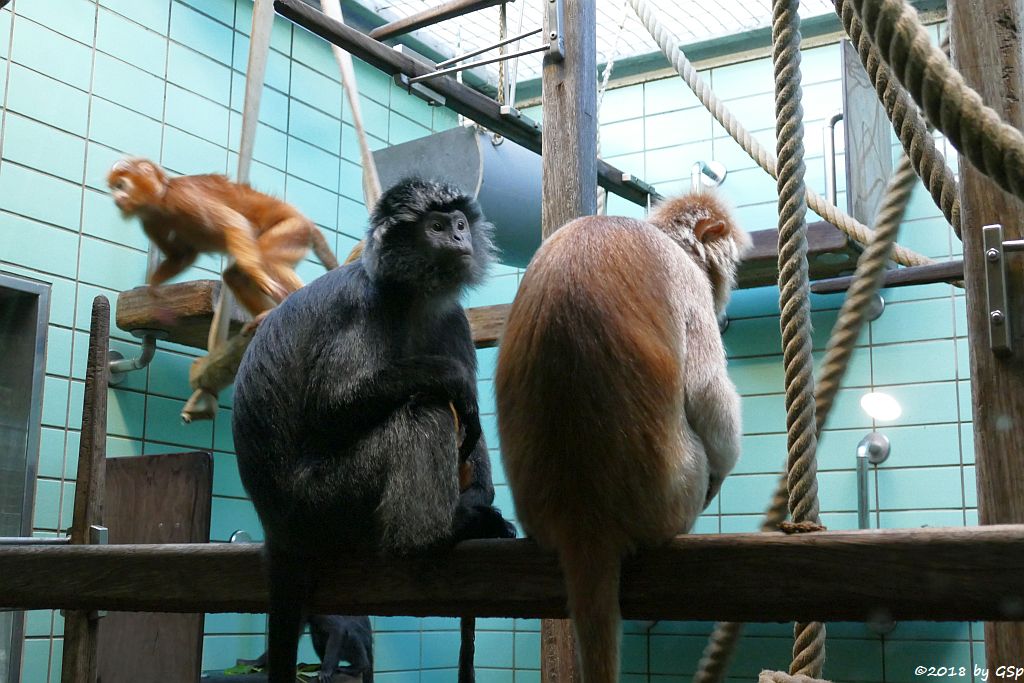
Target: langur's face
[(134, 184)]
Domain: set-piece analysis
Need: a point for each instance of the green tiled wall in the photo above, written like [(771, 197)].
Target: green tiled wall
[(87, 81)]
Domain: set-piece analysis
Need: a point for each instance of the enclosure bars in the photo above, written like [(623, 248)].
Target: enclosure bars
[(460, 98)]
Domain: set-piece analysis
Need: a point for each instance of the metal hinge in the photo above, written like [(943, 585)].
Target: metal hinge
[(1000, 328)]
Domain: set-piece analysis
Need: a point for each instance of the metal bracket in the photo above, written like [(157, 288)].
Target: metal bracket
[(999, 327), (431, 97), (553, 25)]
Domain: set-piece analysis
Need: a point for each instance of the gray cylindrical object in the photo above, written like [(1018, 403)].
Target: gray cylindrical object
[(503, 176)]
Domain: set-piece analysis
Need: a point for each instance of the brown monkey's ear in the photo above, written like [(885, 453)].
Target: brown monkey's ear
[(709, 229)]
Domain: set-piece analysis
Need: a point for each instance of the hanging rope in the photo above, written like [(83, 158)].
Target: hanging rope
[(795, 304), (502, 33), (907, 121), (974, 129), (867, 281), (371, 181), (606, 76), (670, 48)]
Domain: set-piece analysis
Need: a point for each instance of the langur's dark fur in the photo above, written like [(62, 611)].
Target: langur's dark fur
[(335, 638), (342, 424)]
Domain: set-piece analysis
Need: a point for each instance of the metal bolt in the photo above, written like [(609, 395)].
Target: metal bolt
[(992, 254), (553, 35), (998, 317)]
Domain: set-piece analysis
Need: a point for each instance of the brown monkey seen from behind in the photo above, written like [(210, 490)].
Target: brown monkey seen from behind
[(617, 419), (190, 215)]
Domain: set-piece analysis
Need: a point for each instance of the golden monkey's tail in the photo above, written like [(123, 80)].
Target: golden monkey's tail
[(592, 569), (322, 251)]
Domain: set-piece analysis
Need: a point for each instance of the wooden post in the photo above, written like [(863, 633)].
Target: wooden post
[(987, 49), (81, 627), (569, 190)]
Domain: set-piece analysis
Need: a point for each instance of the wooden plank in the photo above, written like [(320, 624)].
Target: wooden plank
[(487, 323), (155, 499), (460, 98), (955, 574), (80, 627), (986, 47), (568, 191), (430, 16), (947, 271), (184, 310), (190, 304)]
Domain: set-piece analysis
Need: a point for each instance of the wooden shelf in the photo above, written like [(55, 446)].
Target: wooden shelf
[(956, 574), (188, 304), (191, 303)]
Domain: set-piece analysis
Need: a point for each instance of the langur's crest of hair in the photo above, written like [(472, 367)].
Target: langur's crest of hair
[(703, 225), (387, 254)]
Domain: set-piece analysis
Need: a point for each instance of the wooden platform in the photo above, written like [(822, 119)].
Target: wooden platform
[(188, 304), (956, 574), (191, 304)]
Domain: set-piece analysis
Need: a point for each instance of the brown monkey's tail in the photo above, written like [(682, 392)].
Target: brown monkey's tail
[(592, 569), (322, 251)]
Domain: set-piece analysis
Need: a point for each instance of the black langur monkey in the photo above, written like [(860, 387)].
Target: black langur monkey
[(337, 638), (343, 414)]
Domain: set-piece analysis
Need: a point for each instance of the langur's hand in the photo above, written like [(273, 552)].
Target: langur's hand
[(714, 485), (470, 418)]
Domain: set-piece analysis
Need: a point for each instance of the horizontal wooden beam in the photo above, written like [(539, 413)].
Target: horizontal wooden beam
[(430, 16), (184, 310), (957, 574), (946, 271), (460, 98)]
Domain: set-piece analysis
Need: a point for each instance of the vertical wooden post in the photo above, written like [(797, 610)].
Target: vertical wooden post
[(569, 190), (80, 627), (986, 46)]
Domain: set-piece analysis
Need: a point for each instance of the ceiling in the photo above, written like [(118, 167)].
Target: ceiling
[(619, 33)]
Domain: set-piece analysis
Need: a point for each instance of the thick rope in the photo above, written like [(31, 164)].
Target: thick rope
[(907, 121), (764, 158), (714, 662), (795, 303), (958, 111), (783, 677), (868, 279), (502, 34), (602, 88)]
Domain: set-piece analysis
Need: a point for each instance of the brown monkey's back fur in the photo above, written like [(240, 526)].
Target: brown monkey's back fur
[(601, 363)]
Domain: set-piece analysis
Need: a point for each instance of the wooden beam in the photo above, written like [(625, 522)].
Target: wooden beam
[(183, 310), (81, 630), (430, 16), (947, 271), (986, 46), (458, 97), (568, 191), (956, 574)]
